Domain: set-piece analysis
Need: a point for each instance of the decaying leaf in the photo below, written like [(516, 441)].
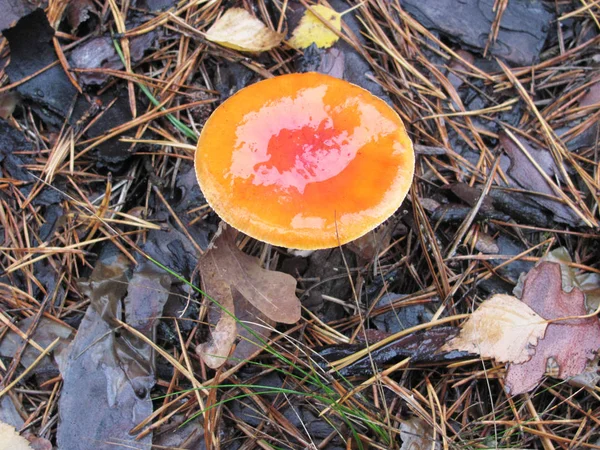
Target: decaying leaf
[(416, 434), (311, 30), (570, 344), (503, 328), (214, 352), (590, 377), (227, 274), (588, 282), (10, 439), (240, 30)]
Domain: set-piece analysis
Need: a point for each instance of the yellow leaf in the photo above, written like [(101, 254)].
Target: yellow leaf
[(503, 328), (311, 30), (240, 30)]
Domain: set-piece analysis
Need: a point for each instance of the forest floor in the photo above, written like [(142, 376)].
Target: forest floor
[(104, 328)]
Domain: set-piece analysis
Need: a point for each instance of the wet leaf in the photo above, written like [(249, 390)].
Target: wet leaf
[(10, 439), (106, 366), (420, 346), (568, 344), (240, 30), (503, 328), (524, 174), (243, 288), (311, 30), (416, 434)]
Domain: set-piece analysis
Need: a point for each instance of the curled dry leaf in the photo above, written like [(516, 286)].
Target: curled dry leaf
[(240, 30), (228, 273), (311, 30), (503, 328), (568, 344), (10, 439)]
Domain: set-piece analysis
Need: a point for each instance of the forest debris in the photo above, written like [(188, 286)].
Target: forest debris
[(8, 103), (311, 30), (526, 175), (590, 377), (100, 52), (51, 94), (570, 343), (10, 439), (240, 30), (106, 367), (50, 89), (587, 282), (400, 317), (273, 293), (78, 12), (369, 245), (45, 333), (228, 272), (503, 328), (420, 346), (214, 352), (522, 34), (416, 434), (13, 10)]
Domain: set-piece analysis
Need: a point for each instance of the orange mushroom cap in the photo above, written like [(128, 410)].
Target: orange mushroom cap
[(305, 161)]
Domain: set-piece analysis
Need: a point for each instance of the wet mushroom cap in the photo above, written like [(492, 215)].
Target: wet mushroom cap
[(304, 161)]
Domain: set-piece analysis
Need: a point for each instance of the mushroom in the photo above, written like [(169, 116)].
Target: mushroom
[(304, 161)]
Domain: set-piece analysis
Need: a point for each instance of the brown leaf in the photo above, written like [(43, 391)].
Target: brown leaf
[(569, 343), (255, 320), (241, 286), (416, 434), (503, 328), (273, 293), (222, 336)]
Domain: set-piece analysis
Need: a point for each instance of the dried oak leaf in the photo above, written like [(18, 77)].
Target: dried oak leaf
[(240, 30), (503, 328), (228, 274), (569, 344), (311, 30)]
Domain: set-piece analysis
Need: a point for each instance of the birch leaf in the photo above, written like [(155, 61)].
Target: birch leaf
[(503, 328), (312, 30), (240, 30)]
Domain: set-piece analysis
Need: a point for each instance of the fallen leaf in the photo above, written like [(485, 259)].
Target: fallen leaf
[(588, 282), (569, 343), (523, 173), (253, 320), (243, 288), (503, 328), (416, 434), (214, 352), (10, 439), (369, 245), (589, 377), (8, 103), (311, 30), (240, 30)]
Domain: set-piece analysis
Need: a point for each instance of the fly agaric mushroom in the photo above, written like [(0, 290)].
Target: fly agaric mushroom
[(304, 161)]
